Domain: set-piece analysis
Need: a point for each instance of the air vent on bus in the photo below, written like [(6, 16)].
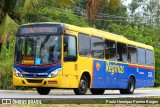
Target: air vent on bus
[(34, 81)]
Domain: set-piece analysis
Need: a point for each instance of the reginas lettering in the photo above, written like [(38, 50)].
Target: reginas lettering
[(112, 68)]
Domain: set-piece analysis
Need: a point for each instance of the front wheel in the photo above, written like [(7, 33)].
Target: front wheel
[(97, 91), (131, 87), (43, 91), (83, 86)]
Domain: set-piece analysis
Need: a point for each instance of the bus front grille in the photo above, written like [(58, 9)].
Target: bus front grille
[(34, 81), (36, 70)]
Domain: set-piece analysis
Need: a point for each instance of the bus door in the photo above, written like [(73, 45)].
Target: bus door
[(69, 65)]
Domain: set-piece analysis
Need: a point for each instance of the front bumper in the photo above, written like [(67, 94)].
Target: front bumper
[(55, 82)]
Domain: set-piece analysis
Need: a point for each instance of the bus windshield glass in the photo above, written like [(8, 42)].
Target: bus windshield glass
[(38, 49)]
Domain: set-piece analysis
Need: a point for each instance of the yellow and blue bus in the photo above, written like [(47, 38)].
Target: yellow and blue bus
[(58, 55)]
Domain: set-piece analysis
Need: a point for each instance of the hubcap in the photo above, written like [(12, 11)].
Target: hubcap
[(82, 84), (131, 87)]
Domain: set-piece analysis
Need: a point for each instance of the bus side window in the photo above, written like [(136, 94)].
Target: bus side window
[(110, 50), (132, 54), (84, 45), (97, 47), (141, 56), (70, 53), (149, 58), (121, 52)]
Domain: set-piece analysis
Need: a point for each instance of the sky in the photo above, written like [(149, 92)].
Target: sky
[(126, 2)]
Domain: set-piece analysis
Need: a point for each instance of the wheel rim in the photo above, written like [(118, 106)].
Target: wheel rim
[(83, 85), (131, 86)]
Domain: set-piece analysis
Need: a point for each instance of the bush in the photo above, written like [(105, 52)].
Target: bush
[(6, 66), (156, 83), (51, 14)]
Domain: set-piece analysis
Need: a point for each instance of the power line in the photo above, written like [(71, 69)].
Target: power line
[(114, 16), (110, 18), (107, 20)]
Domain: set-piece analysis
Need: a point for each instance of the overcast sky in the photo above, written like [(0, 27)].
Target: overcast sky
[(126, 2)]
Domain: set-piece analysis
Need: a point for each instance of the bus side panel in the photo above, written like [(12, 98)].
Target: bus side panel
[(123, 74), (98, 80), (84, 64), (150, 77), (108, 77), (137, 72), (116, 75), (144, 76), (112, 68), (70, 79), (109, 74)]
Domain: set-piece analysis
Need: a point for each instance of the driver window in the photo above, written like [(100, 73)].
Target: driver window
[(70, 53)]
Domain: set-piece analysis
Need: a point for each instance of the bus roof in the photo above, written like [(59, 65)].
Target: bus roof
[(106, 35), (43, 23), (97, 33)]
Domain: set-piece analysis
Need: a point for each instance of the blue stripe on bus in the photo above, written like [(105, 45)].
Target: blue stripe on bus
[(40, 72), (116, 75)]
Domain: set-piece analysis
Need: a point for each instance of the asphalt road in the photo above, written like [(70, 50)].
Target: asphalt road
[(69, 94)]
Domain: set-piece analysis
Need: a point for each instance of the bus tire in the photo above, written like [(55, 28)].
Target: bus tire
[(83, 86), (43, 91), (131, 87), (97, 91)]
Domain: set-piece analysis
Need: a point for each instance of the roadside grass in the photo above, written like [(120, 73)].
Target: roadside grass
[(148, 88)]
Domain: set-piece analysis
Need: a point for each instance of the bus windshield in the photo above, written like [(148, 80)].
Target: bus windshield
[(38, 49)]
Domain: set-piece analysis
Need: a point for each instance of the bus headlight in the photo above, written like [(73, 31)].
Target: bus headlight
[(17, 73), (54, 73)]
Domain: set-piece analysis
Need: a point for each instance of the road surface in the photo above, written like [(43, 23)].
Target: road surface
[(69, 94)]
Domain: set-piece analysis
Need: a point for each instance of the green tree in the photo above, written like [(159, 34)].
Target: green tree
[(145, 12), (133, 6), (7, 24), (93, 5), (12, 12), (150, 10), (107, 15), (18, 14), (52, 14)]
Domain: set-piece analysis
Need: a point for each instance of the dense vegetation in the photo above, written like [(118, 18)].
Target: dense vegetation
[(140, 23)]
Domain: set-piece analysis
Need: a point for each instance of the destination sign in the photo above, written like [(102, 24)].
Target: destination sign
[(40, 29)]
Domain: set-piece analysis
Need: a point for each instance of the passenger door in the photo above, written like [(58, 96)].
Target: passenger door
[(69, 65)]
